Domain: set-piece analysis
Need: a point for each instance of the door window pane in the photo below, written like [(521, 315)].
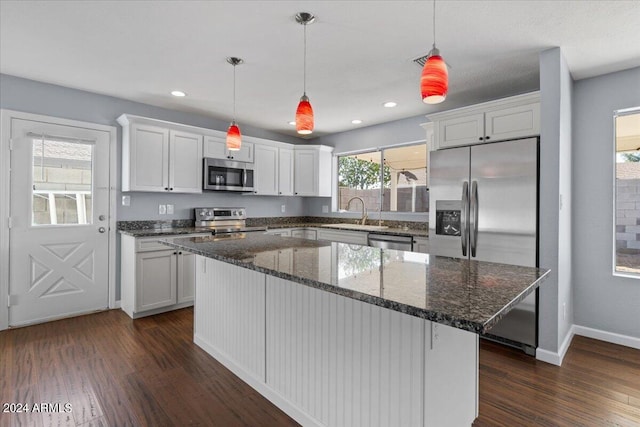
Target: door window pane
[(62, 175), (627, 196), (406, 188)]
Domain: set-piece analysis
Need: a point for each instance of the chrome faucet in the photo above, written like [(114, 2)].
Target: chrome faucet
[(363, 220)]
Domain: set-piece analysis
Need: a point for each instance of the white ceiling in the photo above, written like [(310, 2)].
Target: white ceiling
[(359, 52)]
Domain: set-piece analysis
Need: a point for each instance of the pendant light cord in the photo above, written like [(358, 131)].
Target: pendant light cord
[(304, 74), (234, 92), (434, 24)]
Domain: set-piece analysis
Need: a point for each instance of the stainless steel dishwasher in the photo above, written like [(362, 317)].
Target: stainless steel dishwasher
[(387, 241)]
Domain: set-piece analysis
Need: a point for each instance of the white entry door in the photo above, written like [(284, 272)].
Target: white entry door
[(59, 239)]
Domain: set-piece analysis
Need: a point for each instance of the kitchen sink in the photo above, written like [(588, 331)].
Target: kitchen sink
[(356, 226)]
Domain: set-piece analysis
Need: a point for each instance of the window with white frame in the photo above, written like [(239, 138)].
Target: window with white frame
[(391, 179), (627, 192)]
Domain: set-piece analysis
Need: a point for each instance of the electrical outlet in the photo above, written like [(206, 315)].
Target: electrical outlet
[(169, 209), (325, 208), (283, 208), (126, 200), (162, 209)]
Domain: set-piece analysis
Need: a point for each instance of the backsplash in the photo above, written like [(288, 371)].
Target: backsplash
[(270, 221)]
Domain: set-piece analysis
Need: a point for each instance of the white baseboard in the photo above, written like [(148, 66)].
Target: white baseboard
[(583, 331), (610, 337), (274, 397), (116, 305), (553, 357)]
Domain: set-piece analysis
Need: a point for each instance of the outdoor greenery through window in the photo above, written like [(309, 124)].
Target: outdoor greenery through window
[(392, 179), (627, 192)]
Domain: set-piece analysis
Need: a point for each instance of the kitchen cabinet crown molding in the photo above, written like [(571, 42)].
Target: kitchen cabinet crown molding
[(497, 104)]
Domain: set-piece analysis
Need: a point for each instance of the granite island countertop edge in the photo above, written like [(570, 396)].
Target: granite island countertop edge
[(434, 316)]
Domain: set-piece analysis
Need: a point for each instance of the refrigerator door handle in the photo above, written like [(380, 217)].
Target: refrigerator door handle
[(473, 218), (464, 226)]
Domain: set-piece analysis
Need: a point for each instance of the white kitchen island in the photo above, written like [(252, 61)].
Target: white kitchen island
[(324, 330)]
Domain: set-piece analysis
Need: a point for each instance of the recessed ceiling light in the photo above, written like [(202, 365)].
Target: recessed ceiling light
[(292, 123), (178, 93), (356, 121), (389, 104)]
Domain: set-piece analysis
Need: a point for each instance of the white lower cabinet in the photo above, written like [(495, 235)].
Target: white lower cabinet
[(343, 236), (286, 232), (154, 278), (304, 233), (421, 244)]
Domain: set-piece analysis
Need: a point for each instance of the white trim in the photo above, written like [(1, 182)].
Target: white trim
[(557, 358), (610, 337), (382, 147), (5, 155), (113, 182), (285, 405)]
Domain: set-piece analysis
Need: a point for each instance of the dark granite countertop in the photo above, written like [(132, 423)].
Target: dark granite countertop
[(168, 231), (469, 295), (165, 231)]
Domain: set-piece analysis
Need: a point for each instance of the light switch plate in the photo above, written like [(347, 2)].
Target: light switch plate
[(283, 208), (126, 200), (162, 209), (169, 209)]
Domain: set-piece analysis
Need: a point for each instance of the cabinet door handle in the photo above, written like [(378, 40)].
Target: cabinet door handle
[(171, 189), (279, 192), (175, 253), (179, 253), (487, 137), (481, 138), (166, 188)]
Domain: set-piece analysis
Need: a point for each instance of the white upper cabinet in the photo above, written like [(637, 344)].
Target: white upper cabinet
[(514, 122), (312, 170), (185, 162), (503, 119), (266, 170), (461, 130), (157, 158), (285, 171), (273, 167), (216, 147)]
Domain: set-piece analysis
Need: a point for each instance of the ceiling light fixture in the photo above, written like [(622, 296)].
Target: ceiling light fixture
[(389, 104), (234, 138), (434, 82), (304, 113), (178, 93)]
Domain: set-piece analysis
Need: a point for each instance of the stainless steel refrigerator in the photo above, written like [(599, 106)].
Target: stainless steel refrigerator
[(484, 206)]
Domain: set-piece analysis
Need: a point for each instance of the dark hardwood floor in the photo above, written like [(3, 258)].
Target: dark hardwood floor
[(119, 372)]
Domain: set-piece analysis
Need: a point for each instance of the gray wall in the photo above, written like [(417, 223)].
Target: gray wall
[(57, 101), (555, 183), (602, 301), (41, 98)]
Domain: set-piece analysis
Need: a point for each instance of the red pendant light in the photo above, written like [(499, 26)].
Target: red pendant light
[(304, 112), (234, 138), (304, 116), (434, 83)]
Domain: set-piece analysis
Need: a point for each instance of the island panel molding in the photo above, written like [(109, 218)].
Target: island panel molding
[(326, 359)]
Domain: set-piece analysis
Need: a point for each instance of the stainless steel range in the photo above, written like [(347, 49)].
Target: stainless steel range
[(223, 220)]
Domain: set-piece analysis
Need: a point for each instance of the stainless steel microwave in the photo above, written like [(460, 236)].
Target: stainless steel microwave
[(227, 175)]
